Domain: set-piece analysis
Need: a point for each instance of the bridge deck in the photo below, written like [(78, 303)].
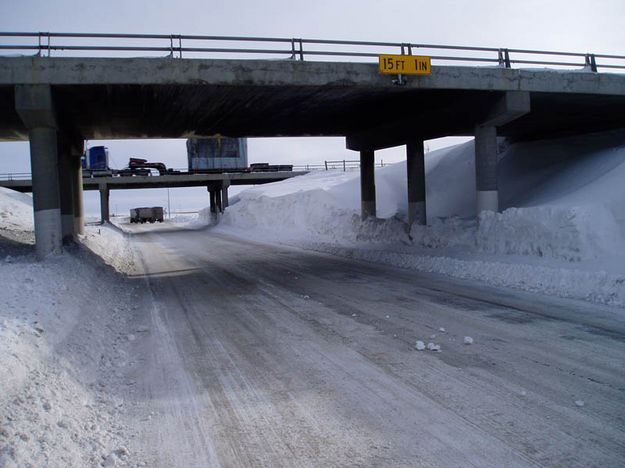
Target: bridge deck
[(104, 98), (166, 181)]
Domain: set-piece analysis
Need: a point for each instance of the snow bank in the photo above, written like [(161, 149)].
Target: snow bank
[(112, 246), (62, 346), (562, 230), (16, 215), (16, 210), (59, 347)]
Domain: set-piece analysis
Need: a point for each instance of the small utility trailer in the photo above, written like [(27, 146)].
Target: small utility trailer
[(146, 214)]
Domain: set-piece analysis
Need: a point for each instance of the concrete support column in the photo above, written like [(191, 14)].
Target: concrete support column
[(66, 192), (218, 202), (224, 194), (216, 197), (212, 199), (104, 204), (486, 168), (415, 168), (35, 106), (367, 184), (77, 197), (46, 199)]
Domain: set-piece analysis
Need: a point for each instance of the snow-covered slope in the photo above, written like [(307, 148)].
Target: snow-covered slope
[(563, 209), (16, 212), (62, 342)]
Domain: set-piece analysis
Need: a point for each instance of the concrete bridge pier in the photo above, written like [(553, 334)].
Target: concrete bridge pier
[(77, 194), (69, 161), (104, 204), (224, 194), (510, 106), (415, 168), (212, 200), (34, 105), (218, 196), (367, 184), (46, 196), (216, 205), (486, 168)]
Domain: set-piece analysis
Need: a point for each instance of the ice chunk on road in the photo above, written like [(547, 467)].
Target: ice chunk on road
[(579, 403), (468, 340), (434, 347), (442, 329), (420, 345)]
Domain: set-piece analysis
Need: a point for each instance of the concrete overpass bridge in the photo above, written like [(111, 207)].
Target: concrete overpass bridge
[(56, 99), (216, 184)]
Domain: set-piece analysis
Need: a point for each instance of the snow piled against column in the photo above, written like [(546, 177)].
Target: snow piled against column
[(563, 206)]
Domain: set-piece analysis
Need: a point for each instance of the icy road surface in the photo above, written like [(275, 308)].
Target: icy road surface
[(254, 355)]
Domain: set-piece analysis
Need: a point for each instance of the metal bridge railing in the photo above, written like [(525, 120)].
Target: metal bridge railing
[(15, 176), (342, 164), (195, 46)]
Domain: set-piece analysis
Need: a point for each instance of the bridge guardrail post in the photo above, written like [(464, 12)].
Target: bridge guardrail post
[(504, 58), (292, 49), (590, 62), (301, 49)]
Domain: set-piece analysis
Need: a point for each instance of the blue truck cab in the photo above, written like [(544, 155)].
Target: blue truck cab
[(96, 161)]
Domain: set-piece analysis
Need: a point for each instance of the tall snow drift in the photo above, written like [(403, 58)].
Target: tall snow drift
[(562, 200)]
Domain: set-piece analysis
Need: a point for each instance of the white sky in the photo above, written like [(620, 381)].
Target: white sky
[(573, 25)]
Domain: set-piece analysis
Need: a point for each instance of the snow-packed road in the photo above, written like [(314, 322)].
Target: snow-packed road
[(254, 355)]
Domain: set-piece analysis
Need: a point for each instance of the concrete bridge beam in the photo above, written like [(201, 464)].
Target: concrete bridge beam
[(415, 168), (34, 105), (367, 184)]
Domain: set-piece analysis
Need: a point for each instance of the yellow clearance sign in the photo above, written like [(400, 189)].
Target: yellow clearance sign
[(405, 65)]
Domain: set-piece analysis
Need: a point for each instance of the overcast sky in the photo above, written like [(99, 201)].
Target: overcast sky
[(567, 25)]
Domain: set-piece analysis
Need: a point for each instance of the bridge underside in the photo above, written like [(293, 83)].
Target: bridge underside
[(393, 114)]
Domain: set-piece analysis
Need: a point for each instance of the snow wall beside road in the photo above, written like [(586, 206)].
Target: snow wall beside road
[(563, 205)]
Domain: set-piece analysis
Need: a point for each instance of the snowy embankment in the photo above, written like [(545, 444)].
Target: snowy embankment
[(112, 246), (62, 348), (16, 218), (561, 231)]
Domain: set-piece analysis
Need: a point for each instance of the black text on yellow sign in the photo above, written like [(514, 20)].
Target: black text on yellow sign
[(405, 65)]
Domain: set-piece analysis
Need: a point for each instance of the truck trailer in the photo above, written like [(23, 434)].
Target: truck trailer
[(146, 214)]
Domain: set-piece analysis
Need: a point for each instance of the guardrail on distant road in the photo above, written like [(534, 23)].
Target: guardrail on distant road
[(343, 165), (15, 176), (195, 46)]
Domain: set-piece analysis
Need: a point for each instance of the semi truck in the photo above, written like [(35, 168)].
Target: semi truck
[(95, 162), (146, 214)]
